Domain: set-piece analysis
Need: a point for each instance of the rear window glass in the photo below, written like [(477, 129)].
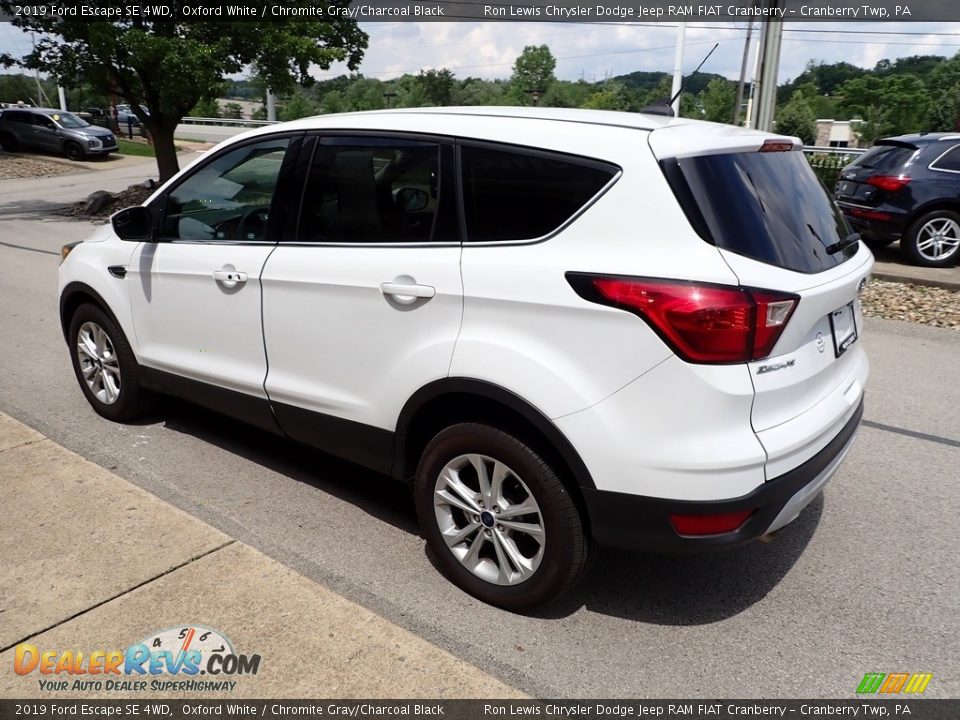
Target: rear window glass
[(521, 196), (767, 206), (886, 158)]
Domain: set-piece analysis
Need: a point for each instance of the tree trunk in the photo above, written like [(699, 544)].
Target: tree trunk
[(162, 131)]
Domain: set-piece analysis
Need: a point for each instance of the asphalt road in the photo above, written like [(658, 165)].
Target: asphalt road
[(867, 579)]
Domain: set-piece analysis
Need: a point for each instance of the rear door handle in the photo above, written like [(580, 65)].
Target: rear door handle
[(229, 278), (407, 294)]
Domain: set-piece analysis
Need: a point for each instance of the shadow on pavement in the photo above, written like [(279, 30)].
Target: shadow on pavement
[(660, 590), (377, 495), (690, 589), (34, 210)]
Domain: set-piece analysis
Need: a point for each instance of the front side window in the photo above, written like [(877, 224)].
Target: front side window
[(516, 195), (228, 198), (371, 190)]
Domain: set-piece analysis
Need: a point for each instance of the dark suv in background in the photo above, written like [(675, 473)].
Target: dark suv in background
[(907, 188), (54, 131)]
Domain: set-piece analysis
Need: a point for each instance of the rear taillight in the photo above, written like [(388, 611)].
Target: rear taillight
[(702, 323), (888, 183)]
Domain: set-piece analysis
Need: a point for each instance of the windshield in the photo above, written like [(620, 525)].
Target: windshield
[(767, 206), (69, 120)]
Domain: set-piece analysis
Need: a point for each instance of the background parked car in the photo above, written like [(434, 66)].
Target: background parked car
[(54, 131), (907, 188)]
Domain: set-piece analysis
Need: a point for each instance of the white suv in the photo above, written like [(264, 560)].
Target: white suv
[(562, 326)]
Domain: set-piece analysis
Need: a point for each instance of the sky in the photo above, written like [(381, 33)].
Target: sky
[(596, 51)]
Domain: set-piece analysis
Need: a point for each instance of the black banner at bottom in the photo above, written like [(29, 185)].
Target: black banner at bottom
[(914, 709)]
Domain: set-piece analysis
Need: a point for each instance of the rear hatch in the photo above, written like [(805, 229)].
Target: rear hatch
[(756, 199), (879, 172)]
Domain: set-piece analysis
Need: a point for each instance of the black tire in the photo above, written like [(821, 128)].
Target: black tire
[(73, 151), (918, 232), (9, 143), (131, 399), (565, 549)]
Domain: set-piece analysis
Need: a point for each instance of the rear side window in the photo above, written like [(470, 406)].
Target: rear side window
[(949, 161), (767, 206), (371, 190), (515, 195), (886, 158)]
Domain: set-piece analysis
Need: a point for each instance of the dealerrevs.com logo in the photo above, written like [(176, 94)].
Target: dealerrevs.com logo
[(173, 659)]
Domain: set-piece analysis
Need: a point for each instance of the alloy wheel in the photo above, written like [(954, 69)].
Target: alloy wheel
[(489, 519), (938, 239), (98, 363)]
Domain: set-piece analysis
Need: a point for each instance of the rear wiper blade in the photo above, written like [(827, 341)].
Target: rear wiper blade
[(851, 239)]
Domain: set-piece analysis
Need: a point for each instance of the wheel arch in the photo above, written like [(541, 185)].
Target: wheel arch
[(73, 296), (932, 206), (451, 400)]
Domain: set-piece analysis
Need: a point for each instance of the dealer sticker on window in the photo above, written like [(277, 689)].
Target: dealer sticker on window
[(844, 327)]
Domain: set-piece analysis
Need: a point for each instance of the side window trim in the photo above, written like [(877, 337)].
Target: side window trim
[(158, 205), (447, 186), (571, 158), (949, 151)]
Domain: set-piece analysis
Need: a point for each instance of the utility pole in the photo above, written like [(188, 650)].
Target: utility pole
[(743, 74), (63, 97), (766, 94), (271, 107), (678, 69)]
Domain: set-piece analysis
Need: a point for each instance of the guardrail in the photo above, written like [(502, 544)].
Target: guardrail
[(226, 122), (827, 162)]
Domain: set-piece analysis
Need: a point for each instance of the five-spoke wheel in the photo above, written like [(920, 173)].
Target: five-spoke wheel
[(933, 240)]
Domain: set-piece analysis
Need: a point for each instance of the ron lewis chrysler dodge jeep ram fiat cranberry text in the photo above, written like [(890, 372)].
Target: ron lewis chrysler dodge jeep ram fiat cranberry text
[(562, 326)]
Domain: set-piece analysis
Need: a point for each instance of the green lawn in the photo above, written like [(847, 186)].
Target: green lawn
[(129, 147)]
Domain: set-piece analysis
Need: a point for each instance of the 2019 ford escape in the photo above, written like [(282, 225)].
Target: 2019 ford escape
[(562, 327)]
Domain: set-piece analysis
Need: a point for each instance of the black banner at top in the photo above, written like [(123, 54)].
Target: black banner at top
[(612, 11)]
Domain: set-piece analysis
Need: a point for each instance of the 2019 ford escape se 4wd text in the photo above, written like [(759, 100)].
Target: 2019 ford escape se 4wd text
[(563, 327)]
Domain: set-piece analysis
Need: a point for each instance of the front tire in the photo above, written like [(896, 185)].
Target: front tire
[(933, 239), (105, 366), (500, 523), (73, 151)]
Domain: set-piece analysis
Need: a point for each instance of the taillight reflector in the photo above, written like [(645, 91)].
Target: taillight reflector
[(889, 183), (709, 524), (702, 323)]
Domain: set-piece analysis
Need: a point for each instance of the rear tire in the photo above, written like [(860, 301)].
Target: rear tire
[(105, 366), (499, 522), (9, 143), (933, 239)]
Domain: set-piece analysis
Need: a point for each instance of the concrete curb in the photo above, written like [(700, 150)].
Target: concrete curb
[(95, 563), (926, 282)]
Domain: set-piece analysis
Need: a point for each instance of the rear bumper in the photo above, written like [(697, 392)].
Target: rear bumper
[(642, 523), (873, 228)]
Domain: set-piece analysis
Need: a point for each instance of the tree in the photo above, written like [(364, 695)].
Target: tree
[(889, 105), (232, 111), (168, 66), (609, 96), (797, 118), (207, 107), (437, 86), (533, 71), (298, 106), (717, 100)]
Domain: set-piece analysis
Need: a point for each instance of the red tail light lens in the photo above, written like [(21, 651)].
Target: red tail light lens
[(709, 524), (889, 183), (702, 323)]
